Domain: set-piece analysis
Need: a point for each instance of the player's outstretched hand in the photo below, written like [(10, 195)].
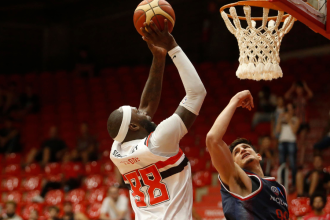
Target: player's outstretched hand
[(157, 51), (157, 37), (243, 99)]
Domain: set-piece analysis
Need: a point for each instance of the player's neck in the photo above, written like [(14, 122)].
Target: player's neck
[(257, 170), (131, 136)]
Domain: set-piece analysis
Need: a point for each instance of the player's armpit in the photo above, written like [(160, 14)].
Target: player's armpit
[(187, 116), (230, 173)]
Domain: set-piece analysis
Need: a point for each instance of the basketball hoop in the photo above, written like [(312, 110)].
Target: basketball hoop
[(259, 46)]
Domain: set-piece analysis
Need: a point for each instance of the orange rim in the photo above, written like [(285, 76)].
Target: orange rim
[(256, 3)]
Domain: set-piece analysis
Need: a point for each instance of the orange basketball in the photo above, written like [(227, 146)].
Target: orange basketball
[(155, 10)]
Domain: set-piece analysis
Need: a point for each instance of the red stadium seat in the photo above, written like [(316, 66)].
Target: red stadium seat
[(76, 196), (96, 195), (54, 178), (53, 169), (13, 170), (79, 208), (10, 183), (197, 164), (93, 181), (93, 167), (72, 170), (28, 196), (110, 180), (191, 151), (300, 206), (31, 183), (94, 211), (105, 155), (15, 196), (54, 197), (33, 169), (263, 129), (108, 167), (202, 178), (26, 210), (242, 128)]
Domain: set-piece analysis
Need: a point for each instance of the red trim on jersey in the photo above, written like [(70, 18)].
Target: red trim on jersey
[(241, 197), (269, 179), (169, 161), (148, 139), (162, 164)]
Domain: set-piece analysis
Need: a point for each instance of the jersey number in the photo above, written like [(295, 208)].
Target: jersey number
[(156, 189), (282, 215)]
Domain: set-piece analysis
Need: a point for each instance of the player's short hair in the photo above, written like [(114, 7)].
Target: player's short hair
[(114, 122), (240, 141), (323, 197)]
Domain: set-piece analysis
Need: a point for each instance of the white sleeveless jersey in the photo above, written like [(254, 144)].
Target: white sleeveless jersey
[(160, 187)]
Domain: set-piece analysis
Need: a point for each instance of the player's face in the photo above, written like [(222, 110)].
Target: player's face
[(244, 155), (143, 120)]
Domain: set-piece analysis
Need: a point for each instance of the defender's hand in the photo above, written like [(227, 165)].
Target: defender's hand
[(243, 99), (158, 38)]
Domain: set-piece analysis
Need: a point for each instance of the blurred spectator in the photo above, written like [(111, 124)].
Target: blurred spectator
[(12, 102), (29, 101), (66, 184), (52, 149), (317, 202), (86, 146), (287, 126), (266, 105), (280, 107), (300, 100), (325, 141), (10, 213), (70, 215), (267, 155), (9, 138), (84, 66), (54, 213), (34, 215), (115, 206), (316, 181)]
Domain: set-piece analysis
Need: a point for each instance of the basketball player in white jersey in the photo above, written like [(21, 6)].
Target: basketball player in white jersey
[(148, 156)]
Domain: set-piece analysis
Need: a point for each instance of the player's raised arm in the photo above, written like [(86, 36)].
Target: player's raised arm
[(195, 91), (230, 173), (152, 90)]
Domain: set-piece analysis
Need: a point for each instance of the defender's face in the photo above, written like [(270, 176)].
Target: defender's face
[(244, 154)]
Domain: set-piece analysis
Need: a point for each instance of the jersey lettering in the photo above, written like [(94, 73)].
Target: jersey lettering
[(156, 190)]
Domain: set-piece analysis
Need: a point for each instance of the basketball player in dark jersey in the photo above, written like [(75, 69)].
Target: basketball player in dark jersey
[(246, 193)]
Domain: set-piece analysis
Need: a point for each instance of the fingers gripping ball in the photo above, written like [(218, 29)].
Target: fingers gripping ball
[(156, 11)]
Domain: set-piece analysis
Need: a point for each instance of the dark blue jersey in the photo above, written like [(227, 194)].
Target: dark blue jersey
[(267, 201)]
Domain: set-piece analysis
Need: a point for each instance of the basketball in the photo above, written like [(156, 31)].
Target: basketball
[(155, 10)]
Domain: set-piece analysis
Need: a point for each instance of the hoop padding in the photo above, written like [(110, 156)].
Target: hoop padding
[(259, 47)]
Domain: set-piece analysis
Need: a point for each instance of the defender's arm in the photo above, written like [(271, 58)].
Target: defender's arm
[(231, 174)]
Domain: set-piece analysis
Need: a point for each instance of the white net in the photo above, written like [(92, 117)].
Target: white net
[(259, 47)]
